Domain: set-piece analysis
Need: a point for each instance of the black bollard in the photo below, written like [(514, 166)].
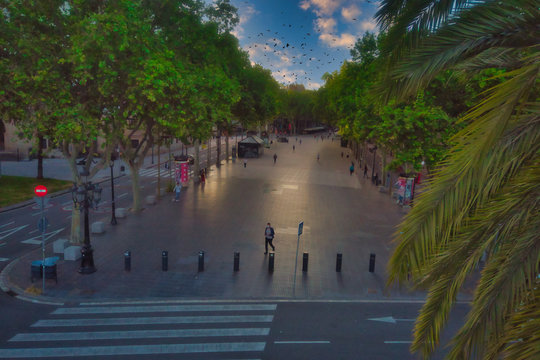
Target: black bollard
[(371, 262), (236, 261), (201, 261), (271, 262), (127, 260), (305, 262), (339, 258), (164, 260)]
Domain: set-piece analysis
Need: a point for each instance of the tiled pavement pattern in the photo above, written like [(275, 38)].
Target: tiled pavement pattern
[(341, 213), (166, 331)]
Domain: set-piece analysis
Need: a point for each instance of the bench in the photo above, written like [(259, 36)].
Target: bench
[(36, 269)]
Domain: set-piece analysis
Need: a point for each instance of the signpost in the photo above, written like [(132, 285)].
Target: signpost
[(41, 192), (300, 230)]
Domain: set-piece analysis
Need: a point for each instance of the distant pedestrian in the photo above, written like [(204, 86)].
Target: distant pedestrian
[(300, 141), (275, 158), (293, 147), (177, 190), (268, 238), (297, 139), (245, 162), (202, 174), (342, 154), (351, 169), (365, 171), (318, 157)]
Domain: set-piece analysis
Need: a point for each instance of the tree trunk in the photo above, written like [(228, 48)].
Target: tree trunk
[(158, 190), (208, 153), (76, 226), (218, 142), (196, 165), (40, 158), (227, 147), (136, 207), (383, 170)]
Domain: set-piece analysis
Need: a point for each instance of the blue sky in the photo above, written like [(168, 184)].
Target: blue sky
[(300, 40)]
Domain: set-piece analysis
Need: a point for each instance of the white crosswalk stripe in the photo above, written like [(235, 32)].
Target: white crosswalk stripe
[(187, 329), (153, 172)]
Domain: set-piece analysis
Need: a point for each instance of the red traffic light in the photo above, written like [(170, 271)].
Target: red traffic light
[(40, 190)]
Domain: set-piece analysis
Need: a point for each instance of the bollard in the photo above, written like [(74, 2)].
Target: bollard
[(201, 261), (271, 262), (236, 261), (371, 262), (164, 260), (339, 258), (127, 260), (305, 262)]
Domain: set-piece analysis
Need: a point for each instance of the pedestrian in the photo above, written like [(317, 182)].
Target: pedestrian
[(177, 190), (318, 157), (293, 147), (202, 175), (300, 141), (268, 238), (351, 168), (275, 158), (245, 162), (365, 171)]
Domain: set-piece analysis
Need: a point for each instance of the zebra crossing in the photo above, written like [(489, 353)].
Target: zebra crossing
[(236, 331), (153, 172)]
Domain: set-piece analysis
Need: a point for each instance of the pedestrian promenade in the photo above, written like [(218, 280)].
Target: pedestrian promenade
[(341, 214)]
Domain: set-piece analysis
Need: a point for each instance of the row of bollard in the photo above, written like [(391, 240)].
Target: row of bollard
[(236, 262)]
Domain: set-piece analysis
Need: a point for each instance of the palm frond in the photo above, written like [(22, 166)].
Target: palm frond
[(480, 28), (463, 181)]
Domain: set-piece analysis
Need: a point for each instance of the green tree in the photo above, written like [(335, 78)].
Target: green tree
[(484, 198)]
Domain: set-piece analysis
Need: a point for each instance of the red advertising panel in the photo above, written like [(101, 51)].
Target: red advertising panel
[(184, 171)]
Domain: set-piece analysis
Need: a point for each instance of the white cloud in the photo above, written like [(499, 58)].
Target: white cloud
[(321, 7), (343, 40), (350, 13), (326, 24), (368, 25), (245, 14), (312, 85)]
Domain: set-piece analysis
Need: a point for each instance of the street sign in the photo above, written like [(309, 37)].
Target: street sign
[(300, 228), (40, 190), (42, 224)]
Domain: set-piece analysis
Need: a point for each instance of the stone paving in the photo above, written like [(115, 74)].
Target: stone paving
[(341, 213)]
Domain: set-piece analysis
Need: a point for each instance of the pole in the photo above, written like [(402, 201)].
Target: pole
[(43, 243), (373, 169), (113, 218), (295, 265)]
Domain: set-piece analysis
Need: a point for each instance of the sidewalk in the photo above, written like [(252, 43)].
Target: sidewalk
[(341, 214)]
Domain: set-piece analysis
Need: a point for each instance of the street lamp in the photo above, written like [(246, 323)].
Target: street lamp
[(84, 196), (113, 216)]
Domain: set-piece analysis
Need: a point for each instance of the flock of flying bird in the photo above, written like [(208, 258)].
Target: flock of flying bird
[(275, 44)]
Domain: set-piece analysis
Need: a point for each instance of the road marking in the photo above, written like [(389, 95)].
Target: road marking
[(9, 223), (39, 213), (154, 320), (397, 342), (6, 259), (132, 350), (33, 231), (4, 234), (3, 244), (122, 195), (153, 182), (303, 342), (163, 308), (391, 319), (290, 187), (140, 334), (67, 203), (36, 240)]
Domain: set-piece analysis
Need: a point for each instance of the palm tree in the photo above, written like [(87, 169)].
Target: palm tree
[(484, 200)]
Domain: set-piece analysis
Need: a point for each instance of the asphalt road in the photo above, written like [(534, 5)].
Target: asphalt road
[(19, 227), (212, 330)]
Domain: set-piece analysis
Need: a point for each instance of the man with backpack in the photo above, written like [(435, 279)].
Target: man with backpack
[(268, 238)]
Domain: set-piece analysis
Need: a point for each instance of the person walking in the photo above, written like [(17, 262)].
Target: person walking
[(318, 157), (268, 238), (293, 147), (245, 162), (275, 158), (177, 190), (351, 168), (300, 141), (365, 171), (342, 154)]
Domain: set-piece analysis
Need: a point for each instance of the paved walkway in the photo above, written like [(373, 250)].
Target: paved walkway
[(341, 214)]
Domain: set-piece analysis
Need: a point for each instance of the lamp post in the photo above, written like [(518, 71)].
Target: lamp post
[(84, 196), (113, 216)]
